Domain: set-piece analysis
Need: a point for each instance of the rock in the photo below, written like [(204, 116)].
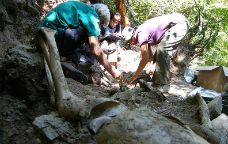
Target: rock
[(220, 127), (22, 72), (146, 127), (11, 7), (226, 88), (3, 18), (215, 107), (53, 127), (31, 8)]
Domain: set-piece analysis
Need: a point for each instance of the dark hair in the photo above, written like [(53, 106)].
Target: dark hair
[(115, 14), (94, 1)]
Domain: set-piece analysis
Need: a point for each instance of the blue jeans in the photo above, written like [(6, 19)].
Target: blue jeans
[(73, 44)]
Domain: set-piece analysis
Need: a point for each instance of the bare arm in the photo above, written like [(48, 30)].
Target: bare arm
[(98, 53), (145, 57)]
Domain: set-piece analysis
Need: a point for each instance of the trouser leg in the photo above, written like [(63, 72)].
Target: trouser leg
[(172, 37), (162, 69)]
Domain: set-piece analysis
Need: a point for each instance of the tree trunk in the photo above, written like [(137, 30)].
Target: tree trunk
[(121, 6)]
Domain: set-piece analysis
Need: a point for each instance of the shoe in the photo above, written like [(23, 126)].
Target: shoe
[(109, 51), (70, 71)]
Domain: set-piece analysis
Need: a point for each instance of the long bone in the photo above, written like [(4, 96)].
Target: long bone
[(67, 104)]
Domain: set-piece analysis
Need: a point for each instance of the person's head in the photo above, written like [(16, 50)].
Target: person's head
[(127, 35), (115, 19), (103, 13), (177, 29), (94, 1)]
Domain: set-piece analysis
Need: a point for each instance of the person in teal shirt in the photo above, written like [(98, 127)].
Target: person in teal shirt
[(76, 24)]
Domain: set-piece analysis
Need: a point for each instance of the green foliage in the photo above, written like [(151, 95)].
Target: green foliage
[(144, 9), (211, 34), (111, 5), (218, 54)]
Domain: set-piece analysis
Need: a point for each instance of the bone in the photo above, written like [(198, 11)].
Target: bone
[(51, 87), (67, 104), (96, 124)]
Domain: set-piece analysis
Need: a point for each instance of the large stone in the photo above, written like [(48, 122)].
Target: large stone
[(215, 107), (54, 127), (145, 127), (23, 72), (3, 18), (220, 127)]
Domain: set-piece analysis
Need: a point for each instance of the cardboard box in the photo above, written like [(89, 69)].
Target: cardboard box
[(212, 77)]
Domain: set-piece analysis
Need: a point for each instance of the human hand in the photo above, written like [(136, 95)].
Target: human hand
[(118, 75), (118, 35), (132, 80)]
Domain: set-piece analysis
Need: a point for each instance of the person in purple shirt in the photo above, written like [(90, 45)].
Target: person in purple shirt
[(153, 36)]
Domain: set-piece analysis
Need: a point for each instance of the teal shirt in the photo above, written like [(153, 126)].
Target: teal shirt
[(71, 14)]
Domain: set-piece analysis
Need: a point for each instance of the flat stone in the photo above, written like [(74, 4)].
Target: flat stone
[(53, 127), (220, 128), (145, 127)]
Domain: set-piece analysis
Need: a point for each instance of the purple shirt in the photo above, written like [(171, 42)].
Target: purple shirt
[(153, 30)]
